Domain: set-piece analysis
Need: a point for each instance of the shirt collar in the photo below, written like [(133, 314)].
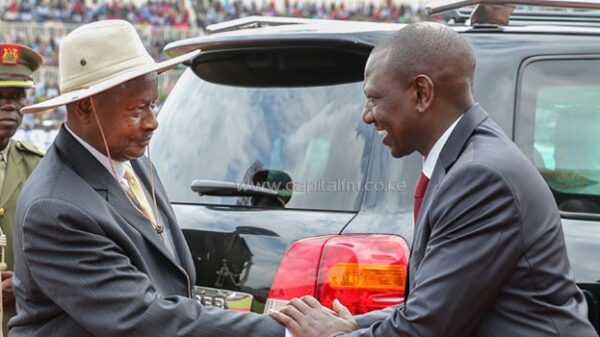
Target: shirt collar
[(432, 158), (4, 151), (119, 166)]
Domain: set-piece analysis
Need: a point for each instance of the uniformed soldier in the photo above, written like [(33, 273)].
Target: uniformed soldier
[(17, 159)]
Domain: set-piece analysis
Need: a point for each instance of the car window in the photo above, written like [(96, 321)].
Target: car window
[(559, 114), (230, 133)]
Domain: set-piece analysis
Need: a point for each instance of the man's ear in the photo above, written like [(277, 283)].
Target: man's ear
[(424, 92), (83, 110)]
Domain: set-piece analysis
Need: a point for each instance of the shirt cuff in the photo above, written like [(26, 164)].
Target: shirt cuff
[(288, 333)]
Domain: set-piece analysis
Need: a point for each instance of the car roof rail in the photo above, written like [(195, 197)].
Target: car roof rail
[(577, 18), (250, 22), (500, 12)]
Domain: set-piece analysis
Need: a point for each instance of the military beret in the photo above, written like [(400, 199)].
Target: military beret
[(17, 64)]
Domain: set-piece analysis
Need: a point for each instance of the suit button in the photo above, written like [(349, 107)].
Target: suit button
[(1, 212)]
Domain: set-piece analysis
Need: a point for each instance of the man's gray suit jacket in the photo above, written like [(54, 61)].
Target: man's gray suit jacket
[(87, 263), (488, 256)]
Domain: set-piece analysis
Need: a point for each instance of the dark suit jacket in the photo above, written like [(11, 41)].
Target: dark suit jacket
[(89, 264), (488, 256)]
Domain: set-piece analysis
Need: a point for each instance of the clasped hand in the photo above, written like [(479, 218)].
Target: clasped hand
[(306, 317)]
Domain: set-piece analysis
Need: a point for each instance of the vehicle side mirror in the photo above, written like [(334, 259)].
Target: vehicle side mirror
[(275, 180)]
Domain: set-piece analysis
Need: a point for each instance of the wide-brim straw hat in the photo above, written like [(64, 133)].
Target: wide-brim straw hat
[(101, 55)]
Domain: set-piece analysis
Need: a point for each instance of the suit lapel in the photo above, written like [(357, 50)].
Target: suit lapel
[(92, 171), (436, 177), (141, 167), (422, 229), (119, 201), (448, 156), (450, 153), (14, 175)]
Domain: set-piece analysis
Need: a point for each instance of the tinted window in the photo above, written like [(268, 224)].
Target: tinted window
[(559, 115), (229, 133)]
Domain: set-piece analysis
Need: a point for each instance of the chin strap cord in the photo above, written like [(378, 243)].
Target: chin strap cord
[(152, 188)]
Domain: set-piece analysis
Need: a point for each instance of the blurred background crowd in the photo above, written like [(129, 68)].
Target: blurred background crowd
[(41, 24)]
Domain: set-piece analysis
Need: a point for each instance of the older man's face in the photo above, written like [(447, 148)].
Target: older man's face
[(126, 114), (11, 101)]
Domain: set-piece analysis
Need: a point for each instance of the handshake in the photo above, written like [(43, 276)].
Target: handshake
[(306, 317)]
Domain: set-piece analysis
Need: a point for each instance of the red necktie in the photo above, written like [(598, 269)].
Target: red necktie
[(419, 194)]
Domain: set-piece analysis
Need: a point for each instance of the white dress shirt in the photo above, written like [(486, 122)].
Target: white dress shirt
[(432, 158)]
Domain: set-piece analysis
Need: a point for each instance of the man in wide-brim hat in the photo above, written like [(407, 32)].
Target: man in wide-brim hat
[(17, 158), (98, 250)]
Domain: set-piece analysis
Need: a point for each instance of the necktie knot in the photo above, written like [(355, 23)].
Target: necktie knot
[(420, 190), (421, 186), (135, 192), (130, 178)]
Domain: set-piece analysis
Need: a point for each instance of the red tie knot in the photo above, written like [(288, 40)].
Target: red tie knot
[(421, 186), (419, 194)]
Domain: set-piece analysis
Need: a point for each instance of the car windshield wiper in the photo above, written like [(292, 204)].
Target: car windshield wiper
[(229, 189)]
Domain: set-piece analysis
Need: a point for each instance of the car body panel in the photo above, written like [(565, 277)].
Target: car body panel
[(388, 209), (246, 245)]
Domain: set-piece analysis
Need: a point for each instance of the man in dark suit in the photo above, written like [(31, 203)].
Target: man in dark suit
[(488, 256), (97, 248)]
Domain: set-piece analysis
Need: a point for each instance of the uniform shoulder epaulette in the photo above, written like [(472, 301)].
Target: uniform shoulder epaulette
[(30, 147)]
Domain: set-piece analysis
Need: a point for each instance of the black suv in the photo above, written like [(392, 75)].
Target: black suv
[(262, 150)]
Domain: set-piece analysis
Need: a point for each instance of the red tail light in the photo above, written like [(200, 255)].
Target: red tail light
[(364, 272)]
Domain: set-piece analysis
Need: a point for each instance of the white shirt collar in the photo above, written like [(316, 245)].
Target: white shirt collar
[(432, 158), (119, 166)]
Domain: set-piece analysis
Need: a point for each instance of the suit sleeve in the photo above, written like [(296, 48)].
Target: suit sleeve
[(474, 243), (367, 319), (89, 277)]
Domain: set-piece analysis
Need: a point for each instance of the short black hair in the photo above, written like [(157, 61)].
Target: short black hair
[(428, 48)]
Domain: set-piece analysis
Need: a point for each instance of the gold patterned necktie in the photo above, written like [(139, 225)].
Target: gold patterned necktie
[(139, 198)]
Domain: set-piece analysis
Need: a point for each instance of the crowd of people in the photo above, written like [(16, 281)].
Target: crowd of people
[(159, 13), (41, 128), (217, 11), (48, 45), (153, 18), (171, 13)]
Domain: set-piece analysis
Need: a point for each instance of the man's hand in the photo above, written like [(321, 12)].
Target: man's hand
[(8, 297), (306, 317)]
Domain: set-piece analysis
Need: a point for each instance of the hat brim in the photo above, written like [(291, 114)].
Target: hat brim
[(76, 95)]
